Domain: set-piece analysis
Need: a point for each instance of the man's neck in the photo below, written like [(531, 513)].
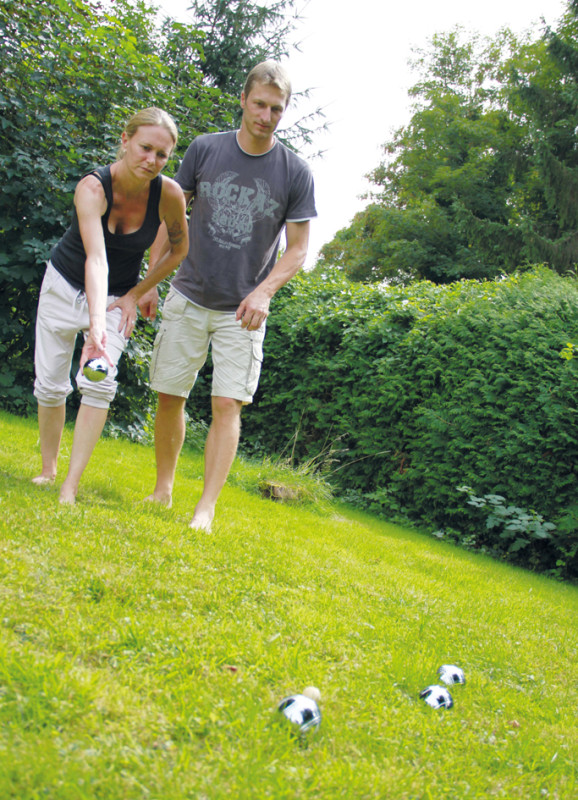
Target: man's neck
[(252, 146)]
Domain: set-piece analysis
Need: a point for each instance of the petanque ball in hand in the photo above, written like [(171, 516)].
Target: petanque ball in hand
[(95, 370)]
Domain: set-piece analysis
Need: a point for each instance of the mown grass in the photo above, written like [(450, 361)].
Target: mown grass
[(141, 660)]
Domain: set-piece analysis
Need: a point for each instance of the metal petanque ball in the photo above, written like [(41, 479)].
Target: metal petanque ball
[(450, 674), (302, 711), (95, 370), (437, 697)]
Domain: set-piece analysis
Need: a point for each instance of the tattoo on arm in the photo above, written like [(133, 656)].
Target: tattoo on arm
[(176, 233)]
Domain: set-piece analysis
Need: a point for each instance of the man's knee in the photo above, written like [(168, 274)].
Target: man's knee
[(226, 406), (170, 403)]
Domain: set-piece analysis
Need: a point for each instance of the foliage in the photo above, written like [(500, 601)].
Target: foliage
[(234, 35), (547, 100), (141, 659), (237, 34), (135, 403), (399, 245), (426, 388), (484, 178), (56, 127), (451, 160), (516, 525)]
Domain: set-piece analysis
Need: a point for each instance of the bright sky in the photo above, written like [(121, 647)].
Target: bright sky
[(355, 57)]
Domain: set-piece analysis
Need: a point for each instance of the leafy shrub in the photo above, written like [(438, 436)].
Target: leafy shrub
[(508, 529), (427, 388), (57, 126)]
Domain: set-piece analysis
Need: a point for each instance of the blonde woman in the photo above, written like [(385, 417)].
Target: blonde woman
[(92, 285)]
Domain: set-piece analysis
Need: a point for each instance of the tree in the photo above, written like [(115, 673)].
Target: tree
[(548, 97), (55, 126), (232, 36), (540, 85), (453, 155), (484, 179), (237, 34)]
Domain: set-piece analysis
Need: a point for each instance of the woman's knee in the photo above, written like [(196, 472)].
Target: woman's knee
[(98, 395), (51, 394)]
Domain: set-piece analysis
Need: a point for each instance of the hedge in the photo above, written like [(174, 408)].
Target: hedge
[(450, 406)]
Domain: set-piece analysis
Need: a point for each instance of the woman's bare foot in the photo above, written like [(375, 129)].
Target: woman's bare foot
[(43, 480)]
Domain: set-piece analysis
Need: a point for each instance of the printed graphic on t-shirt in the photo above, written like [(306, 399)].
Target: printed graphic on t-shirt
[(236, 207)]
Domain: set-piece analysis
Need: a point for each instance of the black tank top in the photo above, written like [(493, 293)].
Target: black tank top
[(124, 252)]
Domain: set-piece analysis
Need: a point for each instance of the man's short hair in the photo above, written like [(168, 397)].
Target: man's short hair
[(269, 73)]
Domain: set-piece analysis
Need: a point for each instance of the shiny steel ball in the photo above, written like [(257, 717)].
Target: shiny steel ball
[(96, 369), (437, 697), (450, 674), (302, 711)]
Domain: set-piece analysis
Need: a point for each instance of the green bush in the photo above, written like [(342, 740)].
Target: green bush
[(73, 72), (414, 392)]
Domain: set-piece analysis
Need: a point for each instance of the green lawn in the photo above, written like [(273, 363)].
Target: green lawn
[(141, 660)]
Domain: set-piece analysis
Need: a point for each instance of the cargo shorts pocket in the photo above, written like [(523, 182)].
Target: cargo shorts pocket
[(256, 363), (174, 306)]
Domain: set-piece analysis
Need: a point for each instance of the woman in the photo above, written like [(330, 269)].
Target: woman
[(92, 284)]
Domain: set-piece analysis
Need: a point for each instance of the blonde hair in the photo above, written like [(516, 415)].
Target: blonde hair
[(150, 116), (269, 73)]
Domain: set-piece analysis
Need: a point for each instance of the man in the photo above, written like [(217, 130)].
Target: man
[(246, 188)]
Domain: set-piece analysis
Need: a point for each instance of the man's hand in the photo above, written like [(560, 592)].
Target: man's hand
[(148, 303), (254, 309)]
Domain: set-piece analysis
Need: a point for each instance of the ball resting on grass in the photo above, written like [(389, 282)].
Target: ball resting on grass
[(312, 692), (437, 697), (450, 674), (302, 712), (96, 369)]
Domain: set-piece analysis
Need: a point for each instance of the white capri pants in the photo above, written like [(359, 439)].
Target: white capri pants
[(62, 315)]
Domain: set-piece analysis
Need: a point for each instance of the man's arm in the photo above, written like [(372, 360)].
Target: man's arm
[(254, 309)]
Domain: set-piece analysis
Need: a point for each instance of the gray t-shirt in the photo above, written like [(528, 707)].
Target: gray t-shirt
[(240, 207)]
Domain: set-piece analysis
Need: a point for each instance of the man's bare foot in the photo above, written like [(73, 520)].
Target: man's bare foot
[(67, 496), (43, 480), (162, 500), (202, 521)]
